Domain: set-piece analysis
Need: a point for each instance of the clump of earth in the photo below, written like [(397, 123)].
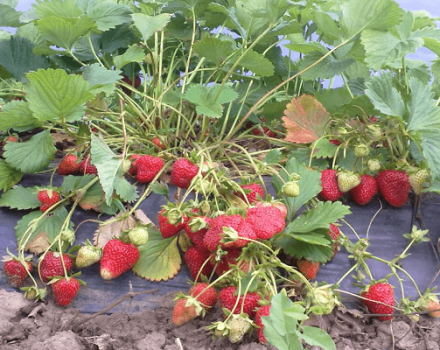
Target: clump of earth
[(45, 326)]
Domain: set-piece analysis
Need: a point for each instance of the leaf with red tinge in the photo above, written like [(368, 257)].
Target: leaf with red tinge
[(305, 119), (159, 259)]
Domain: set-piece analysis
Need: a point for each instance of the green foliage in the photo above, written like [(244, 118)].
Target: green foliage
[(214, 49), (100, 77), (8, 176), (159, 259), (20, 198), (282, 327), (18, 116), (148, 25), (133, 54), (31, 156)]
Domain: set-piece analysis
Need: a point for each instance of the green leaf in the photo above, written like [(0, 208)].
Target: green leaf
[(257, 63), (93, 197), (52, 94), (315, 336), (72, 183), (327, 26), (8, 176), (385, 96), (57, 8), (159, 259), (208, 100), (20, 198), (358, 15), (431, 150), (17, 57), (33, 155), (324, 149), (214, 49), (312, 238), (273, 157), (424, 114), (319, 217), (159, 188), (4, 35), (65, 32), (49, 226), (328, 68), (108, 165), (300, 249), (106, 15), (299, 44), (9, 16), (333, 99), (17, 115), (133, 54), (99, 77), (125, 190), (148, 25), (309, 185)]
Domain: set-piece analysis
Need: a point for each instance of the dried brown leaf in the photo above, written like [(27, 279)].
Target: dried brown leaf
[(142, 217), (38, 244), (112, 228)]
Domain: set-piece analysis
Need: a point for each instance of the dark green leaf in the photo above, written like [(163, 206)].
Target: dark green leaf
[(33, 155), (214, 49), (300, 249), (431, 150), (327, 68), (57, 8), (148, 25), (273, 157), (323, 148), (312, 238), (17, 115), (8, 176), (257, 63), (134, 54), (424, 114), (99, 76), (317, 337), (20, 198)]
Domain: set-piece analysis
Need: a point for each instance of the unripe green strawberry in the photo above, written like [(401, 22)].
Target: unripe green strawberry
[(373, 165), (348, 181), (239, 326), (88, 255), (125, 166), (138, 236), (418, 179), (361, 150), (290, 189)]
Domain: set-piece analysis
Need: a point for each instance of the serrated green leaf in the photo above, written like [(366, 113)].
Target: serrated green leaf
[(159, 259), (107, 15), (431, 150), (385, 96), (315, 336), (159, 188), (20, 198), (108, 165), (329, 67), (49, 226), (319, 217), (257, 63), (299, 44), (17, 57), (148, 25), (134, 54), (214, 49), (93, 197), (9, 16), (358, 15), (126, 190), (100, 77), (57, 8), (424, 114), (273, 157), (16, 114), (300, 249), (8, 176), (65, 32), (52, 94), (327, 26), (4, 35), (324, 149), (333, 99), (72, 183), (309, 185), (33, 155)]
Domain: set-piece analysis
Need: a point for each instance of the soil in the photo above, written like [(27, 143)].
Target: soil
[(45, 326)]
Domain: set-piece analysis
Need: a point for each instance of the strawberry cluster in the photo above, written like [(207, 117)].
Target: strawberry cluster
[(393, 185)]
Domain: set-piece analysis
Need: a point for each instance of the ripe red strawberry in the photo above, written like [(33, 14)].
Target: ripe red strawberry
[(234, 225), (266, 131), (134, 158), (182, 172), (262, 311), (126, 79), (279, 205), (382, 293), (15, 271), (394, 186), (334, 233), (200, 299), (166, 228), (195, 257), (65, 290), (158, 142), (52, 266), (9, 139), (249, 303), (68, 165), (335, 142), (196, 228), (48, 198), (308, 268), (147, 168), (330, 189), (365, 191), (266, 222), (432, 305), (256, 193), (85, 167), (117, 258)]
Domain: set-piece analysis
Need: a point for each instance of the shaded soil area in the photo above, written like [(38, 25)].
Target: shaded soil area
[(36, 326)]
